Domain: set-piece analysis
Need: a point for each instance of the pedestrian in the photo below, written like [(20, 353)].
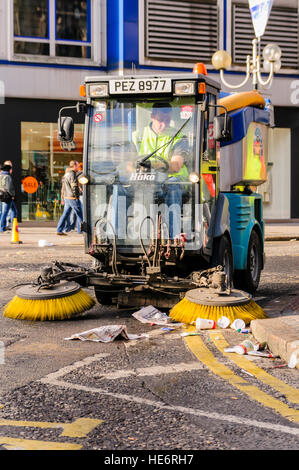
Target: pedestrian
[(71, 194), (79, 173), (13, 210), (73, 218), (8, 195), (69, 220)]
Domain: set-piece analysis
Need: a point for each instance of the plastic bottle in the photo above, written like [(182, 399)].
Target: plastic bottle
[(204, 324)]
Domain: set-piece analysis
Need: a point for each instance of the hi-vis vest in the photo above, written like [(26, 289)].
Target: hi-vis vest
[(151, 141)]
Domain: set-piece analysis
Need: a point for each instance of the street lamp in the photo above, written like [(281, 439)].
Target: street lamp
[(221, 60)]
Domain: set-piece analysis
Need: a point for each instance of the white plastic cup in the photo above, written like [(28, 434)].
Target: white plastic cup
[(223, 322), (244, 347), (204, 324), (294, 359), (238, 324)]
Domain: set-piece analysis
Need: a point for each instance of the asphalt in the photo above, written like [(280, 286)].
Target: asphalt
[(281, 328)]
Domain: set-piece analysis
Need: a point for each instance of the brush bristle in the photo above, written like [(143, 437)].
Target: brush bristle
[(187, 312), (52, 309)]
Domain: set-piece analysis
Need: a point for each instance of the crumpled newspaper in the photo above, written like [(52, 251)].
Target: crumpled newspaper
[(151, 315), (106, 334)]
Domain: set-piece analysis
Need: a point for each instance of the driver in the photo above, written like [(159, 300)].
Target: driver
[(156, 136), (170, 158)]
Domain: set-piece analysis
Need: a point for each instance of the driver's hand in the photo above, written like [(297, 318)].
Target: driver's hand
[(130, 167), (145, 165)]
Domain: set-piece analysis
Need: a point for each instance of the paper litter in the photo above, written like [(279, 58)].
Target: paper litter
[(106, 334), (151, 315)]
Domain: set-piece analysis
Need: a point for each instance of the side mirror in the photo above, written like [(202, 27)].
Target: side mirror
[(223, 128), (65, 129)]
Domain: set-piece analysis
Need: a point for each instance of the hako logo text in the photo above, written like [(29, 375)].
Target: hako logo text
[(142, 177)]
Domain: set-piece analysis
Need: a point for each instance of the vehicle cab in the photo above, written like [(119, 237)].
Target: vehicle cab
[(135, 127)]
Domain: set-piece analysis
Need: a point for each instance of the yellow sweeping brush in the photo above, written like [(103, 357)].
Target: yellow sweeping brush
[(202, 303), (58, 302)]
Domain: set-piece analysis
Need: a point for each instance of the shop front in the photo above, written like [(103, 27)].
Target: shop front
[(28, 137), (43, 165)]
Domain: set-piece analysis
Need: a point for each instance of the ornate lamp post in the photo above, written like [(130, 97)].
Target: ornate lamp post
[(221, 60)]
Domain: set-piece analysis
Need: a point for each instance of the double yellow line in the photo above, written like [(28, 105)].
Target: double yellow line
[(203, 354)]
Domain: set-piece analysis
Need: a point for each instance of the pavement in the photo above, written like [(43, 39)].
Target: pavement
[(282, 231), (280, 330)]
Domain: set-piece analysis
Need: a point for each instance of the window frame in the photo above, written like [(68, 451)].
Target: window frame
[(155, 62), (97, 30), (229, 32)]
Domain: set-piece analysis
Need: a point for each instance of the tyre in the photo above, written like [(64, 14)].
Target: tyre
[(102, 297), (249, 278), (223, 255)]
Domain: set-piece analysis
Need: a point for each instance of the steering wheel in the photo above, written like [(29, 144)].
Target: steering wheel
[(165, 166)]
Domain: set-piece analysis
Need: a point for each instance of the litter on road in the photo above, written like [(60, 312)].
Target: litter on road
[(251, 348), (153, 316), (294, 359), (238, 324), (106, 334), (44, 243), (261, 354)]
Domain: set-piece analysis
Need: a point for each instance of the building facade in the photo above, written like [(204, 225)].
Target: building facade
[(47, 47)]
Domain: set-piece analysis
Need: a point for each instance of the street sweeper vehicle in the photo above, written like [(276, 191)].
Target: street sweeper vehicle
[(170, 208)]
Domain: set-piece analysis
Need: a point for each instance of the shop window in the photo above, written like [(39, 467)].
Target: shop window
[(54, 28), (43, 165)]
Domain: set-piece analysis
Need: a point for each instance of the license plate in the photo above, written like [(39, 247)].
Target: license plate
[(139, 85)]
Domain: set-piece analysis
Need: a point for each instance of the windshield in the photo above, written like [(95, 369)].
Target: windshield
[(140, 157)]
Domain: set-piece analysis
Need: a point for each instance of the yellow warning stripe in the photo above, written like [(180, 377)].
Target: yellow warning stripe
[(290, 393), (26, 444), (204, 355), (79, 428)]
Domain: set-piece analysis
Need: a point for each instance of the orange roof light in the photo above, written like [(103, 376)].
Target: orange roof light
[(202, 88), (200, 68), (83, 91)]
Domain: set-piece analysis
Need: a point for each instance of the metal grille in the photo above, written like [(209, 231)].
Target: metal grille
[(181, 31), (282, 28)]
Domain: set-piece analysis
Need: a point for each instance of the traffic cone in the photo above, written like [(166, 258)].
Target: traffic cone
[(15, 236)]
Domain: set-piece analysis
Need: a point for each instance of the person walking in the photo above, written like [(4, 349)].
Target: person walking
[(71, 195), (69, 220), (80, 173), (13, 210), (73, 218), (7, 187)]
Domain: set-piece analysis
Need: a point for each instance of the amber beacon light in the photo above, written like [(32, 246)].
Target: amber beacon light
[(200, 68), (83, 91)]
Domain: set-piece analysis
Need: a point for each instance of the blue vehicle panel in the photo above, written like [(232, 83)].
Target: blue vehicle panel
[(242, 118), (245, 215)]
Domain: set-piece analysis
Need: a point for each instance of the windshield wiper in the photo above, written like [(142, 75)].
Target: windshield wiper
[(144, 159)]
